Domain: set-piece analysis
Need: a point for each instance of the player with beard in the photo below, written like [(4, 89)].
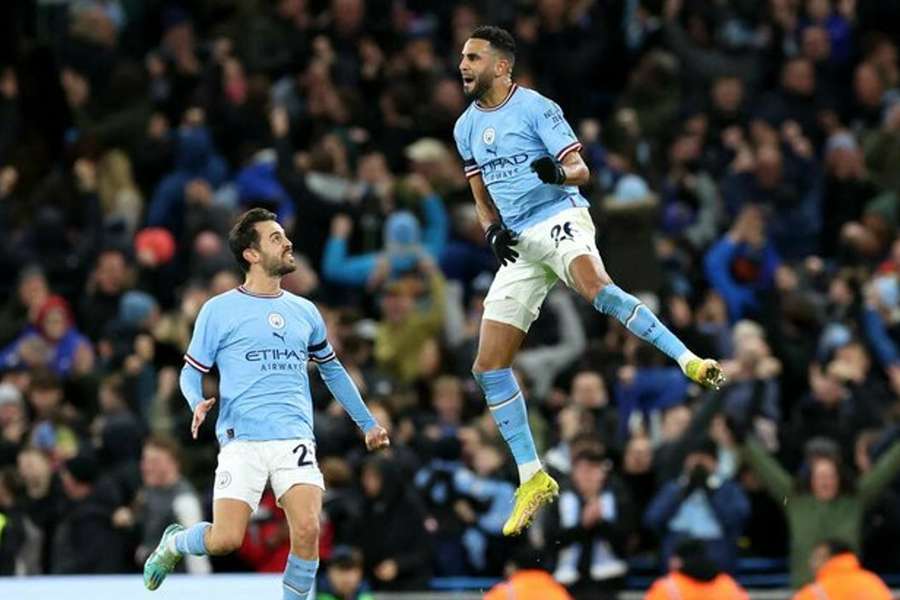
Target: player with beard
[(261, 338), (521, 158)]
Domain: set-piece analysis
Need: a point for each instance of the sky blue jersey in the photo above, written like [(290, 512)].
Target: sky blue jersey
[(500, 143), (262, 345)]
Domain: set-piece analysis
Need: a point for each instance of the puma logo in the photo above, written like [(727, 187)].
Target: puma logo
[(280, 336)]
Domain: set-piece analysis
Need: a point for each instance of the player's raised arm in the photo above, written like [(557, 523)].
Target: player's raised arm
[(342, 387)]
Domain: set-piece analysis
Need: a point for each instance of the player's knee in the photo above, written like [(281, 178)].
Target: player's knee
[(305, 534), (594, 284), (483, 364)]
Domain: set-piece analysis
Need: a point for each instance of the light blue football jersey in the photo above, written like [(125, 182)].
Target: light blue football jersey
[(261, 345), (500, 143)]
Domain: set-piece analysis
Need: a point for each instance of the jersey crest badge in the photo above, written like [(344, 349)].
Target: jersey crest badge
[(276, 320), (488, 136)]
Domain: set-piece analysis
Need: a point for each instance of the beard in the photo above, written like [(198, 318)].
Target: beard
[(481, 87), (278, 266)]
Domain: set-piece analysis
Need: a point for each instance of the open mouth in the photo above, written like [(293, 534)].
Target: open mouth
[(467, 79)]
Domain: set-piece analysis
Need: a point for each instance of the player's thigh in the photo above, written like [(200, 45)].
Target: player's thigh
[(514, 300), (292, 462), (575, 258), (497, 345), (241, 473)]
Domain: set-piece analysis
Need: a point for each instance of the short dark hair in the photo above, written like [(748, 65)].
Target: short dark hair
[(499, 38), (244, 235), (167, 444)]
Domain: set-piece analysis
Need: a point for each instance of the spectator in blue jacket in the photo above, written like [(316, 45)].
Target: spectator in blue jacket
[(404, 241), (196, 160), (700, 504), (741, 265)]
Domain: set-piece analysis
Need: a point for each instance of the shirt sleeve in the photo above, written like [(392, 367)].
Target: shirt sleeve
[(201, 352), (464, 147), (553, 129), (336, 378), (320, 351)]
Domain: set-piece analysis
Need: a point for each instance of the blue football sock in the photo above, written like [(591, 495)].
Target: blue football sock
[(639, 320), (190, 541), (299, 575), (507, 406)]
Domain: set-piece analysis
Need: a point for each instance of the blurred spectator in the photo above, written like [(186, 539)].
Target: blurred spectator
[(403, 238), (590, 525), (527, 579), (53, 341), (839, 575), (640, 481), (392, 533), (85, 540), (823, 502), (741, 266), (343, 578), (406, 329), (700, 505), (22, 308), (41, 501), (20, 539), (99, 304), (695, 575), (166, 497)]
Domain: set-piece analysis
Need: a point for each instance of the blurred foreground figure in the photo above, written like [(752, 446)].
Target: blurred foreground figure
[(693, 576), (839, 576)]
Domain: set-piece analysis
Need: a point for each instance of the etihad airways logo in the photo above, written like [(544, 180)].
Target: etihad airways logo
[(274, 354)]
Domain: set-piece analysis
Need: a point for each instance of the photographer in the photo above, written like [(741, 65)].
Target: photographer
[(700, 504)]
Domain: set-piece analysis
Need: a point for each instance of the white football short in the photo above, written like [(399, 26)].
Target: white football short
[(245, 467), (545, 252)]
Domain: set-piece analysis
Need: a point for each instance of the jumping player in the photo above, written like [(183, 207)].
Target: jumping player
[(261, 338), (521, 158)]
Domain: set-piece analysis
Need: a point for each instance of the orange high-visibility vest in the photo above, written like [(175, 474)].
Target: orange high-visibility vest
[(842, 578), (529, 585), (677, 586)]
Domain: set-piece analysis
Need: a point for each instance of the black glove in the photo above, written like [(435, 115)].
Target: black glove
[(549, 171), (697, 478), (502, 240)]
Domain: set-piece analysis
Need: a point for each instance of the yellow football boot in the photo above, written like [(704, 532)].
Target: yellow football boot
[(706, 372), (541, 489)]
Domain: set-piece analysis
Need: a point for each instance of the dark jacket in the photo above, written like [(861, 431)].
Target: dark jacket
[(85, 540), (392, 528)]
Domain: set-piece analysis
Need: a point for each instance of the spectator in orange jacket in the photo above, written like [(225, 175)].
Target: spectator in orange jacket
[(526, 580), (839, 576), (693, 576)]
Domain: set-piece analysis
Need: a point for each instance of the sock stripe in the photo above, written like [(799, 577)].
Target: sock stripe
[(633, 315), (509, 400), (295, 590)]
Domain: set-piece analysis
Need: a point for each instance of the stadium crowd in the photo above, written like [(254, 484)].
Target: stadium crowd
[(745, 161)]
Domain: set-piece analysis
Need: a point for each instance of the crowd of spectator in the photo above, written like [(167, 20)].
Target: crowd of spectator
[(745, 181)]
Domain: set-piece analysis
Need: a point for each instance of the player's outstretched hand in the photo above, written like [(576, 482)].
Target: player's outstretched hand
[(549, 171), (200, 415), (376, 438), (502, 240)]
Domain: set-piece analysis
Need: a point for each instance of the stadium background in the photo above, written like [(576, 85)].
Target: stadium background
[(745, 161)]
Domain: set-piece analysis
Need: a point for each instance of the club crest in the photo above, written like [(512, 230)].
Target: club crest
[(276, 320)]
